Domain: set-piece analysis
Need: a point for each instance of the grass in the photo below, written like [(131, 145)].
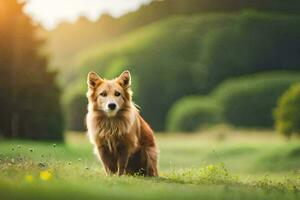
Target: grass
[(221, 164)]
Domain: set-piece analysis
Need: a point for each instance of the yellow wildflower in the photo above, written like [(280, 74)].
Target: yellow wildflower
[(45, 175), (210, 167), (29, 178)]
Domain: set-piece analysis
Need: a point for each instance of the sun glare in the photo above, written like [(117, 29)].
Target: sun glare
[(50, 12)]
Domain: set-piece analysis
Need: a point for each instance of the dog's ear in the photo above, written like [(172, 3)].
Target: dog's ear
[(125, 79), (92, 79)]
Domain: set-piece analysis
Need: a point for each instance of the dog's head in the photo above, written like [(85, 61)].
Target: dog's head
[(109, 96)]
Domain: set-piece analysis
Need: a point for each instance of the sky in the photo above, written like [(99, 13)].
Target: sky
[(50, 12)]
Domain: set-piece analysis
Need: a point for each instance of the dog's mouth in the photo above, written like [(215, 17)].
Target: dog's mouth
[(111, 113), (107, 112)]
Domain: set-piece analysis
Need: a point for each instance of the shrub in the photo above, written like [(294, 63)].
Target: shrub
[(287, 113), (248, 101), (190, 113)]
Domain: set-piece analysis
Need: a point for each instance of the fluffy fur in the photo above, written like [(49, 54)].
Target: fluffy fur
[(123, 141)]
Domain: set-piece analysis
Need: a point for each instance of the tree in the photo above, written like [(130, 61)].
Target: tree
[(29, 96), (287, 115)]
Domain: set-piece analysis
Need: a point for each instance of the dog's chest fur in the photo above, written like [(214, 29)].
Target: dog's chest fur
[(113, 134)]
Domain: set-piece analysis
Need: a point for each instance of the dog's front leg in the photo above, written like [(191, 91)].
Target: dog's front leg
[(123, 157), (108, 160)]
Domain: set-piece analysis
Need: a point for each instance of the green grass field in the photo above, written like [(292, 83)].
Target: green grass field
[(220, 164)]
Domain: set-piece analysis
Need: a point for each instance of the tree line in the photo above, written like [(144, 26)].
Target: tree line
[(29, 95)]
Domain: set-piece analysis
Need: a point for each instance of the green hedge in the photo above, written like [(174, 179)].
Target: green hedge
[(248, 101), (287, 113), (189, 113)]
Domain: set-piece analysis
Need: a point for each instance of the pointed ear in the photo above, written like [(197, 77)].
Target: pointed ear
[(125, 79), (93, 79)]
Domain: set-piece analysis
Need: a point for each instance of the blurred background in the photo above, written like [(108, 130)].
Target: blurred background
[(196, 64)]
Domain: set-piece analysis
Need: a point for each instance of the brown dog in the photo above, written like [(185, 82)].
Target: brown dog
[(122, 139)]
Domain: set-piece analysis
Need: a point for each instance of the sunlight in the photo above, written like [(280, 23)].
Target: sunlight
[(50, 12)]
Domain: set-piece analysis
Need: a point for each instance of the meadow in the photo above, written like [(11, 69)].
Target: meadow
[(219, 163)]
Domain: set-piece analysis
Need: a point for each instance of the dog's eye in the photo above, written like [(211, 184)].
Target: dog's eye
[(117, 93), (104, 94)]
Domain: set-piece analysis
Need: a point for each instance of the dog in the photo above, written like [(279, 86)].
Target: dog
[(122, 139)]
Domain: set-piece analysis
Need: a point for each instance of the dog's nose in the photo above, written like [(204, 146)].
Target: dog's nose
[(112, 106)]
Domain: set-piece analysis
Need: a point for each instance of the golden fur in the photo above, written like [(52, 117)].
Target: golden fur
[(122, 139)]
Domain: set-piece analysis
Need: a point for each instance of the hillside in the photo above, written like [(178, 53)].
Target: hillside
[(68, 39)]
